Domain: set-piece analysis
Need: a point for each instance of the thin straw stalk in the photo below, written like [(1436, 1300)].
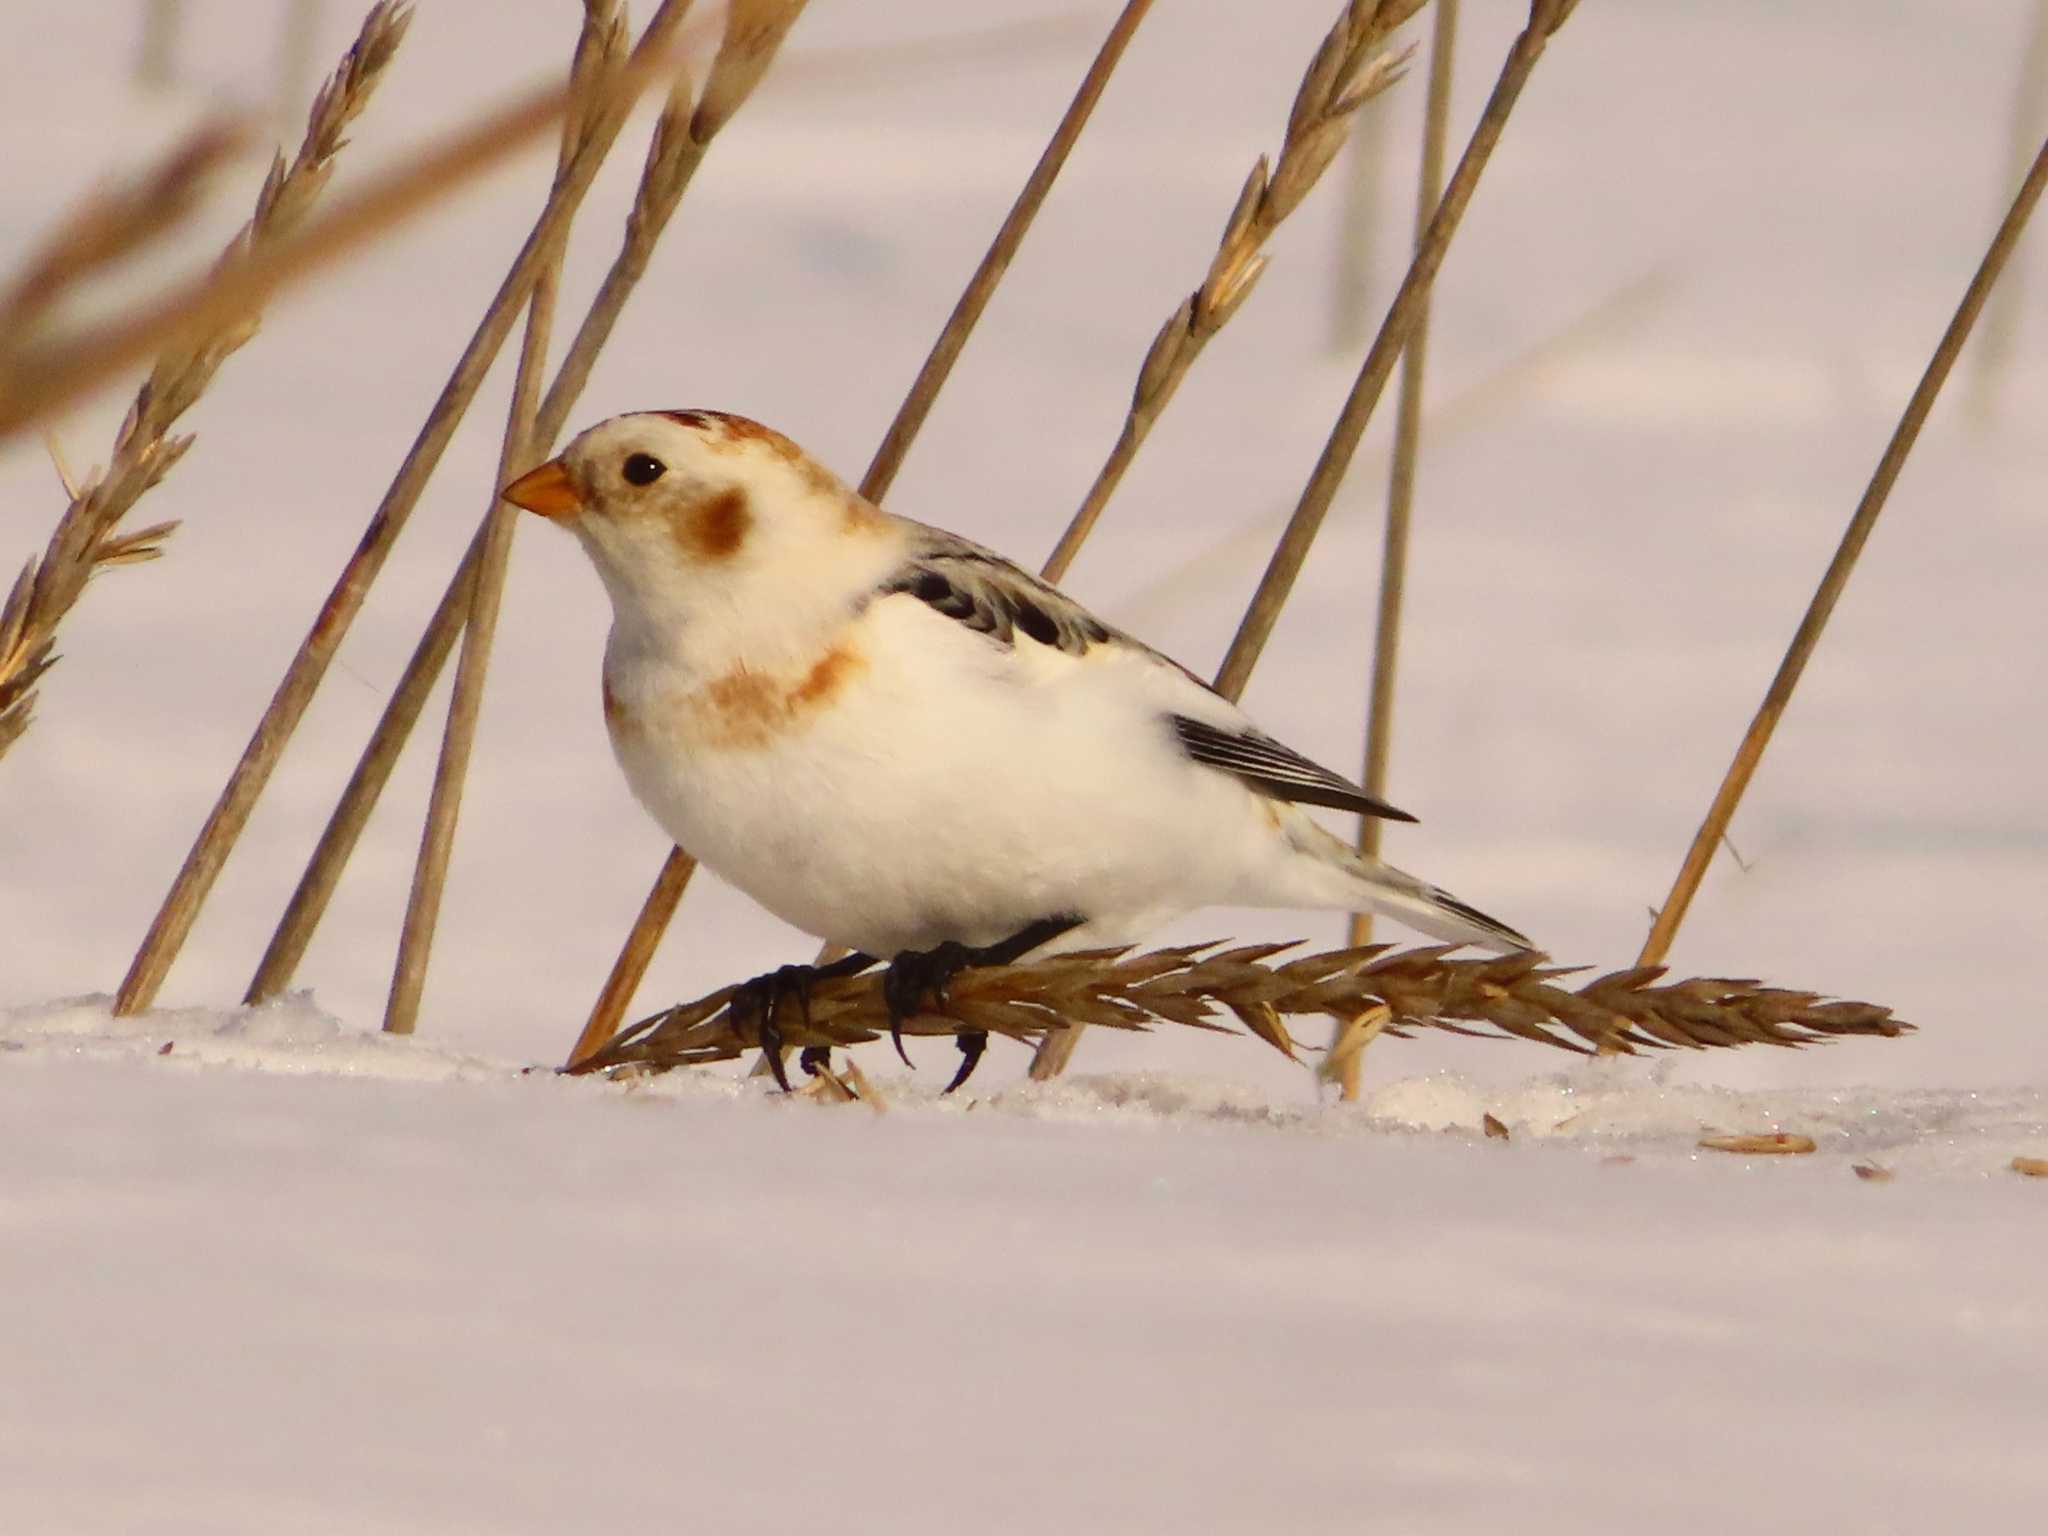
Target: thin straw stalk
[(1498, 997), (659, 908), (37, 382), (1386, 651), (600, 51), (224, 824), (931, 378), (1348, 70), (144, 449), (1749, 752), (1545, 17), (681, 136)]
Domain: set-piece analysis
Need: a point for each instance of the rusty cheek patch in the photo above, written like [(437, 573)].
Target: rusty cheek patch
[(753, 709), (619, 719), (715, 528)]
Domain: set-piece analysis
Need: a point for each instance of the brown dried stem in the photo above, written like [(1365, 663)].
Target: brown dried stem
[(672, 158), (1386, 651), (659, 908), (1348, 70), (600, 53), (1503, 997), (173, 922), (36, 382), (144, 449), (1545, 17), (1751, 749)]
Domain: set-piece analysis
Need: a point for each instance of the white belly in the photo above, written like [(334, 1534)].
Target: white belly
[(951, 798)]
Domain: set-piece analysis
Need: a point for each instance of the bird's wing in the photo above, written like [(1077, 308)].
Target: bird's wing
[(980, 589), (976, 587), (1276, 770)]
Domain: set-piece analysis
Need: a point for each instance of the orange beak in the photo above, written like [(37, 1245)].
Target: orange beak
[(547, 490)]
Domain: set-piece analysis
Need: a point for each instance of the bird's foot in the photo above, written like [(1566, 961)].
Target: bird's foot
[(917, 980), (762, 1000)]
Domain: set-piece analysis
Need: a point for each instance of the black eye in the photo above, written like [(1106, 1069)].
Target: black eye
[(642, 469)]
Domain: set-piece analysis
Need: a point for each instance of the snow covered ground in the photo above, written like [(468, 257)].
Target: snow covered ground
[(293, 1276)]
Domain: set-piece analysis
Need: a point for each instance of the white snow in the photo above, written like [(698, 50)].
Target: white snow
[(294, 1276)]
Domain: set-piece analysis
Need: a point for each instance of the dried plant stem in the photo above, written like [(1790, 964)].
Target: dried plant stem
[(1348, 70), (681, 136), (630, 968), (36, 383), (659, 909), (600, 50), (373, 771), (1389, 992), (1386, 650), (1751, 749), (2029, 122), (230, 814), (1545, 17), (931, 378), (144, 450)]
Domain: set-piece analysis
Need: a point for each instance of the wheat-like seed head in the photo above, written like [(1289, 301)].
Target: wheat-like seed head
[(85, 541), (1505, 997)]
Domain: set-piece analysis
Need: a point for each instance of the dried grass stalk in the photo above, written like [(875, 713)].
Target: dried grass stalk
[(1835, 580), (1348, 70), (144, 449), (677, 147), (111, 226), (1504, 997), (230, 814), (600, 54), (38, 381), (1545, 17)]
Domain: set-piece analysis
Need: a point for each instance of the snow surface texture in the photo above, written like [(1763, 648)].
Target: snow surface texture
[(294, 1276)]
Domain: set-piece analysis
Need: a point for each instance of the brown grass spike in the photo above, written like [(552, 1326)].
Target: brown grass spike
[(224, 824), (144, 449)]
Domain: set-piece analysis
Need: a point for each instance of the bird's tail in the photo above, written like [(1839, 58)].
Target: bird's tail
[(1436, 912), (1335, 874), (1424, 907)]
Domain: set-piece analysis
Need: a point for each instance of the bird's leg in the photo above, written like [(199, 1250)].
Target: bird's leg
[(916, 979), (762, 1000)]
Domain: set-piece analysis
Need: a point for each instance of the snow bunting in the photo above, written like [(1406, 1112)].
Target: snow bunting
[(900, 742)]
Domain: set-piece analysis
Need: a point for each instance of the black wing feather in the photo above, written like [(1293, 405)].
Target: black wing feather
[(1276, 770)]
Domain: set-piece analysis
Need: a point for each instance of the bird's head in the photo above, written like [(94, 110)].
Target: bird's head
[(687, 507)]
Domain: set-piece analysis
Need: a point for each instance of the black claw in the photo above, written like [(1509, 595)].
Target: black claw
[(815, 1059), (917, 979), (972, 1043), (763, 998)]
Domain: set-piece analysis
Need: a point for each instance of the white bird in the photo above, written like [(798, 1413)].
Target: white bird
[(902, 743)]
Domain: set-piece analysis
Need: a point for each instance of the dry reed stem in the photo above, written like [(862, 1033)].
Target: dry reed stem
[(1750, 751), (2029, 121), (1497, 997), (659, 907), (1545, 17), (1386, 648), (601, 47), (112, 225), (173, 922), (144, 450), (672, 159), (931, 378), (37, 382), (1349, 69)]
